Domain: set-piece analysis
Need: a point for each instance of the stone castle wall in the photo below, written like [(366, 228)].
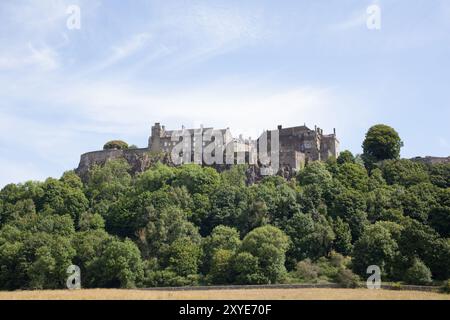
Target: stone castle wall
[(139, 159)]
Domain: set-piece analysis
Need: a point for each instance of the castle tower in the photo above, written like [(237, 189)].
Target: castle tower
[(154, 142)]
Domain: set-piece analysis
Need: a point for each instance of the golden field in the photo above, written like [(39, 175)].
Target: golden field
[(250, 294)]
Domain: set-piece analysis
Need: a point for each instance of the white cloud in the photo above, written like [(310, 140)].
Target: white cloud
[(131, 109)]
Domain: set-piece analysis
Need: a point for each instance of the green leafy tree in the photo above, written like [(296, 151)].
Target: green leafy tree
[(89, 246), (418, 201), (404, 172), (235, 176), (346, 157), (382, 142), (310, 239), (155, 178), (107, 183), (228, 204), (343, 240), (196, 178), (120, 265), (221, 267), (418, 273), (91, 221), (315, 173), (35, 252), (440, 175), (418, 240), (115, 145), (439, 219), (13, 193), (353, 175), (63, 197), (376, 179), (246, 269), (268, 245), (351, 206), (165, 226), (383, 199), (51, 259), (184, 257), (375, 247), (201, 210), (221, 238)]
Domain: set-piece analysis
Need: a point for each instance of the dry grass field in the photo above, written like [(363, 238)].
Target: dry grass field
[(252, 294)]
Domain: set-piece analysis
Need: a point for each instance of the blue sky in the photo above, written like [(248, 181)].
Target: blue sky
[(248, 65)]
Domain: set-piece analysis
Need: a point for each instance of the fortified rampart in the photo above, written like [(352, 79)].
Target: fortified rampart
[(139, 159), (297, 146)]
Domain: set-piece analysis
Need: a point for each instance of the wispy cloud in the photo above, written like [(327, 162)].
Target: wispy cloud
[(44, 58), (196, 32), (357, 20), (127, 49)]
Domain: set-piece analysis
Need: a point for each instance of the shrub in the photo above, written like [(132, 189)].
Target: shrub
[(168, 278), (347, 279), (327, 269), (306, 271), (418, 273), (115, 145)]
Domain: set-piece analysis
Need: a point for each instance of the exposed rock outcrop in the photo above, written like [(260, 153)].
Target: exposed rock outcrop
[(432, 160), (143, 159), (138, 159)]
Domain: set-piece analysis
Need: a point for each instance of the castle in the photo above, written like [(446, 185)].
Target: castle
[(297, 146)]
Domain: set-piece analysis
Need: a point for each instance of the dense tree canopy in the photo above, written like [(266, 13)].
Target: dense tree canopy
[(191, 225)]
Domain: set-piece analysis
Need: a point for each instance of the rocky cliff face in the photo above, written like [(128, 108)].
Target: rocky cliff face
[(142, 159), (432, 160), (139, 160)]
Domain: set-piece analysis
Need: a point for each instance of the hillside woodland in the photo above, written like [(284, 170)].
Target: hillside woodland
[(190, 225)]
